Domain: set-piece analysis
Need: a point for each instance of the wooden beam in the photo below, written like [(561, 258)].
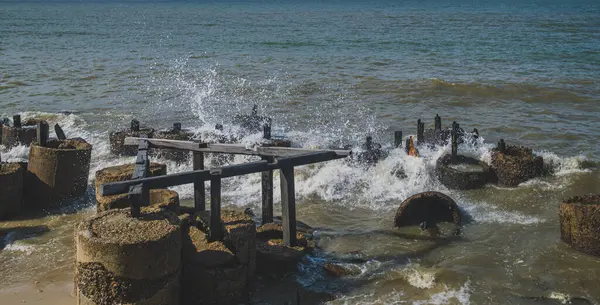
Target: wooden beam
[(60, 134), (216, 230), (307, 158), (288, 205), (199, 190), (267, 193), (171, 144), (230, 148), (241, 169), (121, 187)]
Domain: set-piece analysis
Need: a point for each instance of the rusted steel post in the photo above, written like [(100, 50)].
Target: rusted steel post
[(398, 138), (407, 146), (216, 232), (17, 121), (199, 190), (288, 205), (42, 133), (267, 193)]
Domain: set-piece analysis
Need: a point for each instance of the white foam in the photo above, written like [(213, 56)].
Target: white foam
[(418, 277), (26, 249), (461, 295)]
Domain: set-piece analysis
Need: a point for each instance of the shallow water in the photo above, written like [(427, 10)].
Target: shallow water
[(331, 74)]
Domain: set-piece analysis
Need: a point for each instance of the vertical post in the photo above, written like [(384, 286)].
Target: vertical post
[(267, 131), (17, 121), (420, 132), (398, 138), (199, 190), (216, 232), (407, 146), (176, 127), (438, 123), (135, 125), (501, 146), (1, 127), (60, 134), (288, 205), (454, 144), (140, 194), (267, 193), (42, 133)]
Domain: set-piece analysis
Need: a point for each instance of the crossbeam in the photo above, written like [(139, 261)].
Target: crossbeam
[(115, 188), (229, 148)]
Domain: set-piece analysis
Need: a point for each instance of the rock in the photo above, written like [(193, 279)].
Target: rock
[(339, 270)]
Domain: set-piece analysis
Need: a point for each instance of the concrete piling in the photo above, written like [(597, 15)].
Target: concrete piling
[(514, 165), (117, 139), (11, 189), (125, 260), (57, 172), (579, 223), (219, 272), (19, 134)]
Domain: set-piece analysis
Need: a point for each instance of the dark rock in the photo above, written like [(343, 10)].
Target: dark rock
[(339, 270)]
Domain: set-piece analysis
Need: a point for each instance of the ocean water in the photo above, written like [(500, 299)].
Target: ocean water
[(331, 73)]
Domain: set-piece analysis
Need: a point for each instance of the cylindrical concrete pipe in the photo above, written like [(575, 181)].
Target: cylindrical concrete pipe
[(579, 223), (125, 260), (24, 135), (219, 272), (11, 189), (57, 172)]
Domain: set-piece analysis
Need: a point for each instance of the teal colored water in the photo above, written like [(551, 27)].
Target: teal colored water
[(331, 73)]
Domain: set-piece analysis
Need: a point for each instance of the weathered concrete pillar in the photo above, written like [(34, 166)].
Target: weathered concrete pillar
[(158, 197), (11, 189), (272, 255), (219, 272), (24, 134), (579, 223), (516, 165), (57, 172), (125, 260), (117, 139)]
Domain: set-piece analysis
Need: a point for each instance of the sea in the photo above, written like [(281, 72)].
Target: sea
[(330, 73)]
